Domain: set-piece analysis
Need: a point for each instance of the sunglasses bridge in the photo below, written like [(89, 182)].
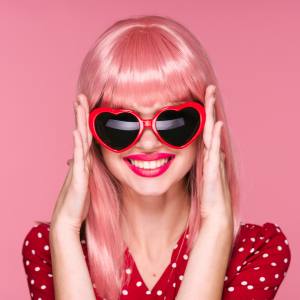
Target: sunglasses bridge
[(147, 123)]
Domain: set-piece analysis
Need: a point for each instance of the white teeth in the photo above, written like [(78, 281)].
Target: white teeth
[(153, 164)]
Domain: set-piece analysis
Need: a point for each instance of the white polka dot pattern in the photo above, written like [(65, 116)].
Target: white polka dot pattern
[(259, 263), (265, 249), (37, 263)]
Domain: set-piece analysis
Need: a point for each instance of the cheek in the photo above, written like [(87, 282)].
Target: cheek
[(184, 161), (182, 164), (187, 158), (112, 161)]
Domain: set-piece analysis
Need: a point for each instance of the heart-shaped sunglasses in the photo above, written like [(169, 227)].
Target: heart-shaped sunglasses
[(175, 126)]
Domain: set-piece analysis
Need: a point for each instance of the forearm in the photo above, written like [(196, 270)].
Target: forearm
[(71, 277), (208, 260)]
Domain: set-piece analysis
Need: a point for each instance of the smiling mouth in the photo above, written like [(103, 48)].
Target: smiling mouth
[(149, 165)]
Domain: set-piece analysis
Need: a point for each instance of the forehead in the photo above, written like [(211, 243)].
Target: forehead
[(144, 110)]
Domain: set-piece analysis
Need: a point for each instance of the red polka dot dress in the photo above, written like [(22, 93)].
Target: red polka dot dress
[(258, 264)]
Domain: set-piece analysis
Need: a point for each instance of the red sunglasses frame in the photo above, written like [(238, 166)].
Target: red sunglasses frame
[(149, 123)]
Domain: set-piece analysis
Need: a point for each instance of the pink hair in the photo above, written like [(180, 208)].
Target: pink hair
[(143, 59)]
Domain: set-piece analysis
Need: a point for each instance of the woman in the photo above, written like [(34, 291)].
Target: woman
[(127, 228)]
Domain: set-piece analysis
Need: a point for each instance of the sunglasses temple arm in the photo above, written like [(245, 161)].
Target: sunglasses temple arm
[(197, 100)]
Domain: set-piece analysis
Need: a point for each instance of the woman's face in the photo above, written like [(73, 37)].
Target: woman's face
[(149, 143)]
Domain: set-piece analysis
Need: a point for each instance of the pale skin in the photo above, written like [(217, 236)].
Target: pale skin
[(204, 276)]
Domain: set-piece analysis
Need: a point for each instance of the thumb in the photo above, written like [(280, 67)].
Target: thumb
[(69, 161)]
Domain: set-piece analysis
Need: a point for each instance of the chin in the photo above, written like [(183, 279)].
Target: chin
[(150, 189)]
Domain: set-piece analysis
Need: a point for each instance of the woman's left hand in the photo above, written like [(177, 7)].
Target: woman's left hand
[(216, 203)]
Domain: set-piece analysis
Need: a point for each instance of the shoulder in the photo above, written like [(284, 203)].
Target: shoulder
[(260, 258), (261, 237), (262, 232), (37, 261), (266, 241), (36, 241)]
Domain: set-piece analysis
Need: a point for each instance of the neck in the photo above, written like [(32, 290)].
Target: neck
[(152, 223)]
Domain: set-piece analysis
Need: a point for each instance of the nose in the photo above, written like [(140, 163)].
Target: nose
[(148, 140)]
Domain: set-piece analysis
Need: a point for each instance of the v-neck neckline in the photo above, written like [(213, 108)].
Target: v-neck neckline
[(165, 272)]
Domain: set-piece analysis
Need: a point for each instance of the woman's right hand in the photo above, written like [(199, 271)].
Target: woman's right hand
[(73, 202)]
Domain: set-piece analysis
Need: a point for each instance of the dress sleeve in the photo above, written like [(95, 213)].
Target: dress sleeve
[(260, 263), (37, 263)]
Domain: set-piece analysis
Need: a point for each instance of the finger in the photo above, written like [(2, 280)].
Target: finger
[(222, 165), (81, 126), (78, 165), (75, 104), (214, 106), (214, 151), (69, 161), (210, 118), (84, 102), (68, 178), (224, 178), (222, 154)]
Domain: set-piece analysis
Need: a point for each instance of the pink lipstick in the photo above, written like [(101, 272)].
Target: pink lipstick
[(139, 168)]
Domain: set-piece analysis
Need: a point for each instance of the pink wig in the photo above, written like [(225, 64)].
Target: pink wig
[(143, 60)]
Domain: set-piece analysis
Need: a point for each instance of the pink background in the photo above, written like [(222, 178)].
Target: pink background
[(254, 47)]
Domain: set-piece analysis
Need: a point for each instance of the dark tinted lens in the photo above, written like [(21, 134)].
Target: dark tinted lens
[(117, 131), (178, 127)]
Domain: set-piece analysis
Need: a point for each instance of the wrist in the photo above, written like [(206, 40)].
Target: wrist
[(218, 224), (63, 229)]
